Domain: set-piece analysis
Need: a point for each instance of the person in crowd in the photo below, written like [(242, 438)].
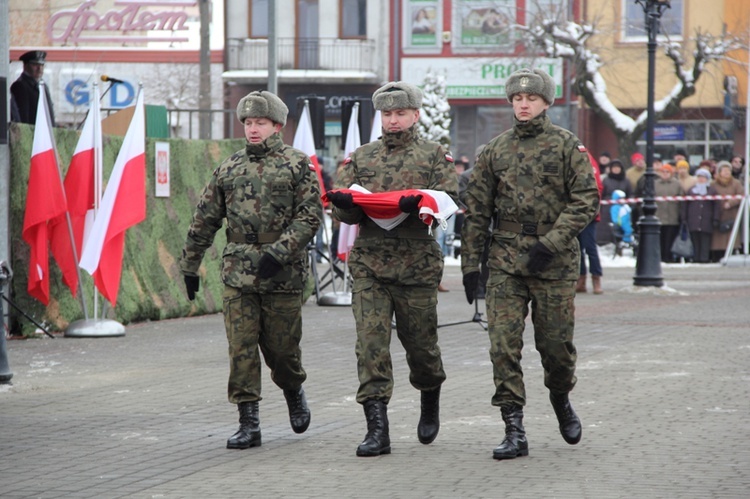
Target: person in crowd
[(396, 271), (679, 155), (682, 169), (738, 168), (621, 216), (587, 241), (269, 197), (668, 212), (25, 90), (725, 185), (636, 170), (537, 183), (700, 215), (604, 159), (615, 180)]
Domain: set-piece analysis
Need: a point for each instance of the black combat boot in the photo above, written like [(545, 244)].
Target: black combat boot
[(429, 421), (570, 425), (299, 413), (249, 433), (514, 444), (376, 441)]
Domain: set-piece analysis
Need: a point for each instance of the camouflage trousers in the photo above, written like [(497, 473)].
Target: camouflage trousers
[(374, 304), (508, 298), (272, 322)]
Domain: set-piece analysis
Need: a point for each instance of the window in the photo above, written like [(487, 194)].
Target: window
[(634, 26), (258, 18), (353, 18)]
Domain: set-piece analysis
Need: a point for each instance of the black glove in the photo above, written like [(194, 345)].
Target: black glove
[(471, 283), (409, 204), (341, 200), (539, 258), (192, 284), (268, 266)]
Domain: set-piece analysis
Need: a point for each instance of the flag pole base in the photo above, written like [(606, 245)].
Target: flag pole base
[(736, 261), (92, 328), (337, 298)]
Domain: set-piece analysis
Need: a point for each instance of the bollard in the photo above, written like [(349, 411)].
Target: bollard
[(5, 374)]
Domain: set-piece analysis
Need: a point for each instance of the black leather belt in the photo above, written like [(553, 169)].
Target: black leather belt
[(252, 237), (529, 229)]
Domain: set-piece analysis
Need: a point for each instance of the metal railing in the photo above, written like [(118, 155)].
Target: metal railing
[(303, 53)]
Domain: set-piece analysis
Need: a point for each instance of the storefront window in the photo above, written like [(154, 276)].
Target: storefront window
[(634, 27), (259, 19), (699, 139)]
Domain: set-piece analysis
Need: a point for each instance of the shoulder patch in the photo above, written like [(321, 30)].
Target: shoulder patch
[(449, 157), (311, 166), (581, 147), (348, 160)]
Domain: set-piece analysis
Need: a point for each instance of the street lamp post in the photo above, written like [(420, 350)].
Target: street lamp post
[(648, 261)]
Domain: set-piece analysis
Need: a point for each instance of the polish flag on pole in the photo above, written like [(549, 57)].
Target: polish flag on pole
[(305, 142), (45, 200), (348, 233), (123, 205), (82, 188)]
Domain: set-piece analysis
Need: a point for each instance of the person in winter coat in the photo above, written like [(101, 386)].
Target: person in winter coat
[(700, 215), (725, 184), (536, 181), (615, 180), (668, 212), (587, 240), (620, 214), (268, 198)]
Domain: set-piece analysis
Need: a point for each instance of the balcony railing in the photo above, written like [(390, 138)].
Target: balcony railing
[(303, 53)]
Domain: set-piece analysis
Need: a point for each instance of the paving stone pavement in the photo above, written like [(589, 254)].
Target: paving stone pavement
[(663, 392)]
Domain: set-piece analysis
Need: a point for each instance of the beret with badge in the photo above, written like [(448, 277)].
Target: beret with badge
[(397, 95), (531, 81), (262, 104)]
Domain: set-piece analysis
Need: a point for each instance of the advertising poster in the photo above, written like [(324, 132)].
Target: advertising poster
[(161, 164)]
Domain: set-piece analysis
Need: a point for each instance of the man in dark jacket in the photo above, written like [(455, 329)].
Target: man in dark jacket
[(535, 180), (25, 90)]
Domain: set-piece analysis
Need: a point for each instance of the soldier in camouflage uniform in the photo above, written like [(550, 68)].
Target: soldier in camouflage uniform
[(535, 181), (396, 271), (270, 199)]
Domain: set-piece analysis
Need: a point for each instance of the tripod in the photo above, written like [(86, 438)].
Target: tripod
[(476, 319)]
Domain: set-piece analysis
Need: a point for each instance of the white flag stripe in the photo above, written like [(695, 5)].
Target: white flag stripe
[(377, 127)]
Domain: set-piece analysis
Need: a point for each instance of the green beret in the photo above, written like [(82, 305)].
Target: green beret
[(262, 104), (397, 95), (527, 81)]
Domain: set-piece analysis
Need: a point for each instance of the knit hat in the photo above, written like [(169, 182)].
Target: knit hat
[(531, 81), (635, 157), (666, 167), (262, 104), (683, 164), (397, 95), (702, 172), (723, 164)]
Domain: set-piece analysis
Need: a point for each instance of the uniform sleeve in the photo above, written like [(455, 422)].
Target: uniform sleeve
[(582, 205), (207, 219), (344, 181), (308, 212), (479, 199)]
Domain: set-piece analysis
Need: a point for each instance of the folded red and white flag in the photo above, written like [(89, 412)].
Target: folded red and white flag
[(382, 207)]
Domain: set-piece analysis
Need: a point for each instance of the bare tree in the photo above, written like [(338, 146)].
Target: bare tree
[(571, 41)]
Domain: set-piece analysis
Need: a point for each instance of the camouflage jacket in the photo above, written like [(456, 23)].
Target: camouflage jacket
[(267, 188), (535, 173), (397, 161)]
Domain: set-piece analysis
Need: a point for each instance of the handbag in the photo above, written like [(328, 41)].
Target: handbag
[(726, 226), (683, 245)]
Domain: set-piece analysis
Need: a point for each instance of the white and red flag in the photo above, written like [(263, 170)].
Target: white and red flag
[(45, 200), (377, 126), (82, 190), (305, 142), (123, 205)]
